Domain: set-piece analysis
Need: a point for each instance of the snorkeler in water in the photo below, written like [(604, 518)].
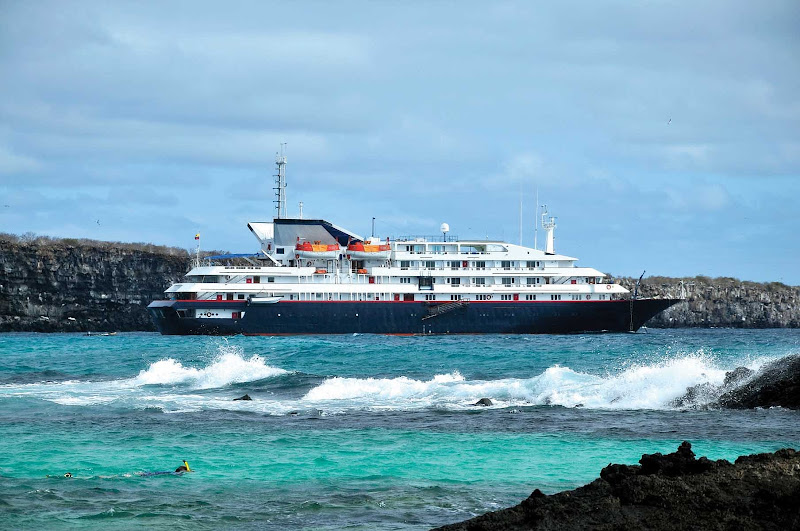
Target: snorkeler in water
[(178, 471), (65, 475)]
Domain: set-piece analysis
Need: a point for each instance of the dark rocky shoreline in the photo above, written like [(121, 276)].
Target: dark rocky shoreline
[(666, 492), (69, 285)]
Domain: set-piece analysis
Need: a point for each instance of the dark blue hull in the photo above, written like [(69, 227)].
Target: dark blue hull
[(507, 317)]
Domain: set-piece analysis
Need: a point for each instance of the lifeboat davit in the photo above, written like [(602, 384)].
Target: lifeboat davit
[(367, 251), (317, 250)]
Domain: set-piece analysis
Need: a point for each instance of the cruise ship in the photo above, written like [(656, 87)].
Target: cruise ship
[(310, 276)]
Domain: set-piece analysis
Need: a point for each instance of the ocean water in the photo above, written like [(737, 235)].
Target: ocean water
[(350, 432)]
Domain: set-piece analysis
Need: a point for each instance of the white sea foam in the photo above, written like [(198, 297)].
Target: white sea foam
[(638, 387), (174, 387), (226, 369), (155, 386)]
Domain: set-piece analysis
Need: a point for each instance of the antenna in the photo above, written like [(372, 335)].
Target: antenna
[(301, 210), (373, 226), (280, 182), (536, 222), (520, 213)]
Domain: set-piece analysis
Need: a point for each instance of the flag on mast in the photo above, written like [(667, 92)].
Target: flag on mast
[(197, 236)]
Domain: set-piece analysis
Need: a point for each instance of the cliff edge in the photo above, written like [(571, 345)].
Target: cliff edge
[(69, 285)]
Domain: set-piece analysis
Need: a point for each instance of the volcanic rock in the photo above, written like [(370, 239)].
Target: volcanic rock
[(777, 384), (737, 375), (666, 492)]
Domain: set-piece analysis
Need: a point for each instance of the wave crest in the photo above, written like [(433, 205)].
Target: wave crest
[(637, 387), (225, 369)]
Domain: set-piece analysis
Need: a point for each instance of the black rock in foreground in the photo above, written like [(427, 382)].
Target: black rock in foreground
[(673, 491), (777, 384)]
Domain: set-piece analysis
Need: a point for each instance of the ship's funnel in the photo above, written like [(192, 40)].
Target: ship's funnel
[(550, 247)]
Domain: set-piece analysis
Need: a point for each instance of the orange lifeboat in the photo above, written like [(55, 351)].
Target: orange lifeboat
[(317, 250), (369, 251)]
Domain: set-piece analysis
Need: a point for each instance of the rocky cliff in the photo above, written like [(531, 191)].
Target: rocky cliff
[(50, 285), (721, 302), (55, 285)]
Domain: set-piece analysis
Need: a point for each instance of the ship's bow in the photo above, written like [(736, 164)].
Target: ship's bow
[(165, 317), (642, 310)]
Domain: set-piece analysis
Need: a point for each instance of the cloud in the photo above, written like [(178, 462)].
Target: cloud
[(632, 119), (524, 167), (14, 164)]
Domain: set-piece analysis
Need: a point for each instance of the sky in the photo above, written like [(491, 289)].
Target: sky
[(664, 136)]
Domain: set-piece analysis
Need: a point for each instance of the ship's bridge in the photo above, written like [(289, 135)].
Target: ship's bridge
[(287, 231), (279, 236)]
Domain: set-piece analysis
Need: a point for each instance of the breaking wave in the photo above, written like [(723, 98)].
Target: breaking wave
[(226, 369), (165, 383), (653, 386), (169, 385)]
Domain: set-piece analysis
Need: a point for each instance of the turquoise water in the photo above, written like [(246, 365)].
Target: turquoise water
[(357, 432)]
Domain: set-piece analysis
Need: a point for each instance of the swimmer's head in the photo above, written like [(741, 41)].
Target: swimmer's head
[(68, 475)]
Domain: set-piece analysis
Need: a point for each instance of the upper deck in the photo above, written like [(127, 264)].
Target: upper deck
[(339, 263)]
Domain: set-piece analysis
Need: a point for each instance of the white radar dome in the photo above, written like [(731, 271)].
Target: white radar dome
[(445, 227)]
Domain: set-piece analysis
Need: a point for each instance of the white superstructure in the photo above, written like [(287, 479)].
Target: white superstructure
[(304, 260)]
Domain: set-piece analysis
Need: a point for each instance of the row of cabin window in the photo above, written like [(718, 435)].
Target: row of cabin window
[(320, 296), (478, 264), (213, 279), (480, 281), (408, 248), (454, 281), (355, 265), (506, 281)]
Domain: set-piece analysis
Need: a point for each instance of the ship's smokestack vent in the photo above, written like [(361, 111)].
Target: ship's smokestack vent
[(549, 225)]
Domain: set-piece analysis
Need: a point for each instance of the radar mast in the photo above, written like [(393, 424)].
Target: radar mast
[(280, 182)]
